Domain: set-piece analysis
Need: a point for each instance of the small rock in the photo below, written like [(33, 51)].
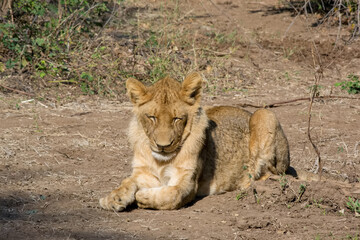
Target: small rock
[(342, 211)]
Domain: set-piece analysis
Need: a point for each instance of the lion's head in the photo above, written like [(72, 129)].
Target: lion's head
[(166, 111)]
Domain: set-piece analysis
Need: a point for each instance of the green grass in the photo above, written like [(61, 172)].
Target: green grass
[(241, 195), (353, 204), (283, 182), (352, 86)]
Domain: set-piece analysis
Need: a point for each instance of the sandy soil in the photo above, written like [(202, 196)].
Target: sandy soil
[(56, 161)]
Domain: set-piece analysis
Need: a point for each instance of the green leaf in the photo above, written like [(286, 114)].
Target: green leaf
[(39, 41), (24, 63), (2, 67), (42, 74), (10, 63), (87, 76)]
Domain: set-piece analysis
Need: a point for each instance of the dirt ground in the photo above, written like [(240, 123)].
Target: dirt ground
[(57, 160)]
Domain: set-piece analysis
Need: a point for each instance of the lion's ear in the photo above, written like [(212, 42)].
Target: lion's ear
[(191, 88), (136, 91)]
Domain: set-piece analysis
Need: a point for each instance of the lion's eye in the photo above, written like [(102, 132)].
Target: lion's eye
[(152, 118), (177, 119)]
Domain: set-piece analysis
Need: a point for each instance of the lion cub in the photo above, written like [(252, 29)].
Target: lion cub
[(182, 150)]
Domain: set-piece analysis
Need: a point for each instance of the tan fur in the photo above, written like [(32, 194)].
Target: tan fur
[(182, 150)]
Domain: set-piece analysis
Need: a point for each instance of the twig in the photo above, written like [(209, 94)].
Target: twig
[(110, 17), (64, 21), (318, 75), (83, 20), (133, 55), (59, 10), (277, 104), (18, 91), (293, 21), (185, 15), (11, 12), (219, 54), (193, 45), (358, 17), (339, 27)]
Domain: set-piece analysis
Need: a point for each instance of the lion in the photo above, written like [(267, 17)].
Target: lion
[(183, 150)]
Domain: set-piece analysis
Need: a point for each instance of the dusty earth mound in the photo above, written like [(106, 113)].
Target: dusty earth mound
[(57, 160)]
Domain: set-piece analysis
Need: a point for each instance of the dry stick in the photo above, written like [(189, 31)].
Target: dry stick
[(358, 17), (195, 61), (11, 12), (84, 14), (298, 12), (339, 28), (356, 30), (102, 29), (60, 10), (64, 21), (108, 20), (318, 75), (277, 104), (18, 91)]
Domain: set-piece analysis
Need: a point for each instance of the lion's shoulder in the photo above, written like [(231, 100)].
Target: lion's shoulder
[(226, 111), (228, 118)]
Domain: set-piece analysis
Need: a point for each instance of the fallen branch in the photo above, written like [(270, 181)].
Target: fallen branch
[(17, 91), (277, 104)]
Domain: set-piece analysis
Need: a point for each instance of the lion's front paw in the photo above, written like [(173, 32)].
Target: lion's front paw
[(158, 198), (113, 201), (143, 198)]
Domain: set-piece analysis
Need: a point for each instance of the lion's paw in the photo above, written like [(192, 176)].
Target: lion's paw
[(113, 201), (143, 198)]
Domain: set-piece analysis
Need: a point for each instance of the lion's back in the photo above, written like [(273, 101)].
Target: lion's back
[(226, 151)]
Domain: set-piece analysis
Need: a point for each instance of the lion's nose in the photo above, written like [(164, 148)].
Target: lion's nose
[(162, 145)]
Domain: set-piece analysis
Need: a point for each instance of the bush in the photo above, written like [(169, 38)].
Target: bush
[(39, 36), (336, 12), (352, 86)]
